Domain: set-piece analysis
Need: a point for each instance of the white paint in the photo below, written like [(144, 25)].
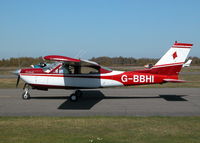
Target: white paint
[(182, 54), (124, 78), (75, 81), (138, 78)]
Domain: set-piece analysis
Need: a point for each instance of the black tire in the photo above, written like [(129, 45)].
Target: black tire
[(26, 96), (73, 98)]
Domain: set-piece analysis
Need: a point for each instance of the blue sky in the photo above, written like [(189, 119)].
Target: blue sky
[(130, 28)]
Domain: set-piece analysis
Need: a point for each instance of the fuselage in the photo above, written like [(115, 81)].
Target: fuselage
[(108, 79)]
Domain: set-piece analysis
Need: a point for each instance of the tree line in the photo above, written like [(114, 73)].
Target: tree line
[(123, 61), (104, 61), (20, 62)]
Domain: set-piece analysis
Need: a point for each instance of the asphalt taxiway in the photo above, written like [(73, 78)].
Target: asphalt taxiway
[(103, 102)]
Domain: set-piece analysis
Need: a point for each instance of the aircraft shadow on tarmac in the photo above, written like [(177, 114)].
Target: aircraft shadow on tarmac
[(90, 98)]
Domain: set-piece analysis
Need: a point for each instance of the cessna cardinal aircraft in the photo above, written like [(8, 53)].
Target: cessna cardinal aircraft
[(70, 73)]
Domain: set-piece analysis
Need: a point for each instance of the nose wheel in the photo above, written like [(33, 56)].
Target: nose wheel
[(26, 94), (75, 96)]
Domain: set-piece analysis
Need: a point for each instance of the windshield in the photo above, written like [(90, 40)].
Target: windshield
[(49, 67)]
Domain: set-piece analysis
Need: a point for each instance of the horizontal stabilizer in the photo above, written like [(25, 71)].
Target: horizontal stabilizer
[(174, 80), (187, 64)]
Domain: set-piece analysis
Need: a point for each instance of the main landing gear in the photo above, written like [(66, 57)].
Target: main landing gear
[(26, 94), (76, 95)]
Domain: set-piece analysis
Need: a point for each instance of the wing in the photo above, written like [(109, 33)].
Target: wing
[(69, 60), (60, 58)]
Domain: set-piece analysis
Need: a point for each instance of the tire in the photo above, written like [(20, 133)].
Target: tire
[(78, 93), (73, 98), (26, 96)]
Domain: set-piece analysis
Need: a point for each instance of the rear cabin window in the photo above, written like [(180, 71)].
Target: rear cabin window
[(89, 70)]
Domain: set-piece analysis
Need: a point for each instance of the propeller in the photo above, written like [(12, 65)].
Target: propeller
[(17, 73), (18, 79)]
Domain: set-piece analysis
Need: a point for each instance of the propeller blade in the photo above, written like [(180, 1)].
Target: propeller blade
[(18, 78)]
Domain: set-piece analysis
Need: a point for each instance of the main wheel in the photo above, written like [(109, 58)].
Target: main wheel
[(73, 98), (78, 93), (25, 96)]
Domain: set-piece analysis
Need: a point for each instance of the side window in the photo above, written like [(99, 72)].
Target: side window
[(89, 70), (73, 69), (66, 69)]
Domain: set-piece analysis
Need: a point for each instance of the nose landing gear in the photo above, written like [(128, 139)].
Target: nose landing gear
[(26, 94)]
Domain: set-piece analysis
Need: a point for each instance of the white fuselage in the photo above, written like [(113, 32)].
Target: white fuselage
[(72, 80)]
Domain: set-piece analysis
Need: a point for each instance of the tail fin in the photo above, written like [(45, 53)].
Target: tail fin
[(172, 62)]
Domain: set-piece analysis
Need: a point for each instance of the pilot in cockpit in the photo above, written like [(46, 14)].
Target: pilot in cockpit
[(66, 69)]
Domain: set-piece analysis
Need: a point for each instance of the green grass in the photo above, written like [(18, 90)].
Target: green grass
[(100, 129), (191, 69), (10, 83)]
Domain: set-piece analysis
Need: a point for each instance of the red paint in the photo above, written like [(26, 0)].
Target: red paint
[(151, 76), (174, 55), (168, 64), (56, 68), (103, 71), (182, 44), (32, 71), (61, 58)]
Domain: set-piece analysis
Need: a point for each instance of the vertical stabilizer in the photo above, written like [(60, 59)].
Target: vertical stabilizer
[(172, 62), (177, 54)]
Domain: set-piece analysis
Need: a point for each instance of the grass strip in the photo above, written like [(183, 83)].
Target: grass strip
[(99, 129)]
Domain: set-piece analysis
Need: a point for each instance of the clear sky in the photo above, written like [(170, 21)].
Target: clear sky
[(130, 28)]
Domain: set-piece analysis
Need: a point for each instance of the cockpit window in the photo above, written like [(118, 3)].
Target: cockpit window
[(50, 67)]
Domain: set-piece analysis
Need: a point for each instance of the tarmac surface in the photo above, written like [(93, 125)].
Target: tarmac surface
[(103, 102)]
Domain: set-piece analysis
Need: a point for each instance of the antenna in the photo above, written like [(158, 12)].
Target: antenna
[(80, 53)]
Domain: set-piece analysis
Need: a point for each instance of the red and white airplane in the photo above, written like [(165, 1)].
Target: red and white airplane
[(70, 73)]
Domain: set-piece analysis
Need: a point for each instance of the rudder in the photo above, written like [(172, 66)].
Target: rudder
[(173, 60)]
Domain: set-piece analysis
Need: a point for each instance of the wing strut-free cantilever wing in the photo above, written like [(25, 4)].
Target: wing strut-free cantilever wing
[(61, 58), (68, 59)]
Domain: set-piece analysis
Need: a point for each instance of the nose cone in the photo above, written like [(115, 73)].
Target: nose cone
[(16, 72)]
